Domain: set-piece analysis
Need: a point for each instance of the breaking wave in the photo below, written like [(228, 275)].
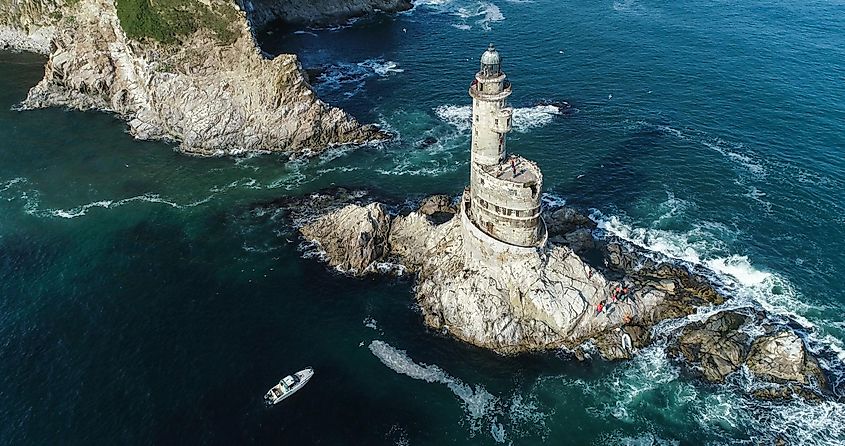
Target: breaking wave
[(480, 13), (524, 118), (351, 77)]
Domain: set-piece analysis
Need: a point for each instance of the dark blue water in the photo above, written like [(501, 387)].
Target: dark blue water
[(150, 298)]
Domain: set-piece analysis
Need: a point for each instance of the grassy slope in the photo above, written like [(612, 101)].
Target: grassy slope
[(167, 21)]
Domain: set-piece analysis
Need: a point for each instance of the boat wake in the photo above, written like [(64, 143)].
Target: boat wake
[(503, 420), (477, 401)]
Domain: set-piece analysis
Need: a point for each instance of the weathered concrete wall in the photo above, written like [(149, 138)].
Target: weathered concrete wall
[(489, 97), (490, 252), (507, 210)]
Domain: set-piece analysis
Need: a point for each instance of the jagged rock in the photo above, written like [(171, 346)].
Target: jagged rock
[(787, 392), (685, 290), (782, 357), (437, 204), (565, 220), (715, 346), (580, 240), (29, 25), (213, 97), (354, 238)]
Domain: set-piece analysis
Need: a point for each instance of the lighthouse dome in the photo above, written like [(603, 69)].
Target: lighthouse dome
[(491, 62)]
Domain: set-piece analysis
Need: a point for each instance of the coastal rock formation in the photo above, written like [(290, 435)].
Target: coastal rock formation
[(315, 12), (513, 301), (354, 238), (783, 357), (715, 346), (212, 90), (29, 25), (523, 300)]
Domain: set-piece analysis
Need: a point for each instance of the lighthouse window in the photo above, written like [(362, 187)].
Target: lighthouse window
[(497, 121), (509, 122)]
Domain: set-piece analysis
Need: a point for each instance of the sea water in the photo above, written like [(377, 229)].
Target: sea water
[(147, 297)]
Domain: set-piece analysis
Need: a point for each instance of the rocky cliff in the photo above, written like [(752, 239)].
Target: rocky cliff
[(29, 25), (193, 76), (315, 12)]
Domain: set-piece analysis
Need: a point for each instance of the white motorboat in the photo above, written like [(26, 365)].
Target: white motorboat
[(288, 385)]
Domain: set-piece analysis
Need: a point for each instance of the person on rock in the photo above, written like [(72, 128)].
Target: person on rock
[(600, 307)]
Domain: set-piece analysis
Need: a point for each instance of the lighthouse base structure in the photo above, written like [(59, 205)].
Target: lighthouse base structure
[(490, 251)]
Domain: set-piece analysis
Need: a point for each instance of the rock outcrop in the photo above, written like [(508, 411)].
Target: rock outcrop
[(29, 25), (354, 238), (782, 357), (315, 12), (213, 97), (715, 347)]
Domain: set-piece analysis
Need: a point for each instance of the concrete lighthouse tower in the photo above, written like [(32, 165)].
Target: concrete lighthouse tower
[(503, 200)]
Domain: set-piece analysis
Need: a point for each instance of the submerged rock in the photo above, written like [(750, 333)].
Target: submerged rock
[(427, 142)]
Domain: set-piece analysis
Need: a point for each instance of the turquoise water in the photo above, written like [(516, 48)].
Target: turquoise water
[(150, 297)]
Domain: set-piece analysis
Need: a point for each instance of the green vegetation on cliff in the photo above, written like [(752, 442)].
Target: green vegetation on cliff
[(167, 21)]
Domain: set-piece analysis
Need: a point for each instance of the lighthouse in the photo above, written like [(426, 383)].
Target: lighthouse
[(503, 198)]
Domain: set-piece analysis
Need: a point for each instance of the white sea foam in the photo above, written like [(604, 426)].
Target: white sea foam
[(489, 13), (552, 201), (353, 76), (650, 369), (732, 152), (110, 204), (644, 439), (701, 245), (409, 167), (381, 67), (482, 13), (371, 323), (8, 184), (477, 402), (524, 118)]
